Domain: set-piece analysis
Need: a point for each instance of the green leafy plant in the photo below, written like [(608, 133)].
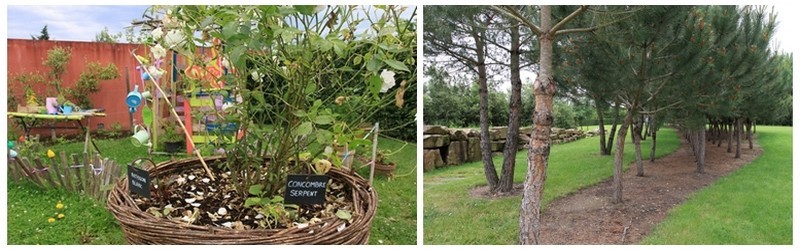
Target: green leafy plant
[(57, 60), (172, 132), (307, 75), (273, 208)]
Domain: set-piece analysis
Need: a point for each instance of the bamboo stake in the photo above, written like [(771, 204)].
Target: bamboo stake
[(177, 117), (374, 152)]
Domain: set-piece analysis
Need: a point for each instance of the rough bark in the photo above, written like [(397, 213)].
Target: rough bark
[(610, 142), (602, 127), (738, 138), (618, 160), (653, 134), (483, 93), (510, 151), (700, 149), (730, 136), (749, 133), (637, 144), (539, 148)]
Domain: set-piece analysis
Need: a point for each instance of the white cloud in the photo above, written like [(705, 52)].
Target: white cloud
[(76, 23)]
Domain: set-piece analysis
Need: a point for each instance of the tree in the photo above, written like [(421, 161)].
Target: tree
[(459, 33), (544, 90), (106, 37), (44, 35)]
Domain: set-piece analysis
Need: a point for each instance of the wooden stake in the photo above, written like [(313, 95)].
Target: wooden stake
[(374, 152), (178, 118), (67, 173)]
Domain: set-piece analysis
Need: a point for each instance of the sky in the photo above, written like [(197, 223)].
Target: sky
[(78, 23), (70, 23)]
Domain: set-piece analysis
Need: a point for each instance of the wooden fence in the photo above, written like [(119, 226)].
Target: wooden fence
[(91, 176)]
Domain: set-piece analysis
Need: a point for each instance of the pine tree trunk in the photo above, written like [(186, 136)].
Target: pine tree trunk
[(483, 93), (720, 132), (512, 139), (637, 145), (653, 134), (730, 137), (613, 132), (618, 160), (601, 124), (738, 138), (539, 149), (701, 150), (749, 134)]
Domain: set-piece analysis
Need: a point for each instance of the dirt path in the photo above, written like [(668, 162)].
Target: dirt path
[(589, 217)]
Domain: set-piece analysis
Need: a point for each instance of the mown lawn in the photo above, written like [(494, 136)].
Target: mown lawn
[(89, 222), (751, 206), (451, 216)]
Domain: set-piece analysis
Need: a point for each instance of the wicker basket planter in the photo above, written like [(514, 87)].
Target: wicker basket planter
[(141, 227)]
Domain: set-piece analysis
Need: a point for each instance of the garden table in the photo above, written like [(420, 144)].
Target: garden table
[(77, 117)]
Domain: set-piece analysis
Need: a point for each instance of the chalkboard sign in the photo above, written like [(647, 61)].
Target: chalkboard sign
[(306, 189), (139, 181)]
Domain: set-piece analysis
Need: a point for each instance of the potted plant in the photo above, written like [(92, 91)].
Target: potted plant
[(307, 75), (173, 136), (382, 164)]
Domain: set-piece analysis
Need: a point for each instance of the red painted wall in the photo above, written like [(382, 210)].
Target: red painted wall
[(27, 56)]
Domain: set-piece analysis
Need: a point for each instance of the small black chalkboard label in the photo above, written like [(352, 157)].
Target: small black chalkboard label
[(305, 189), (139, 181)]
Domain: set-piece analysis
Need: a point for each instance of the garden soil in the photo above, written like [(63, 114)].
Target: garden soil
[(589, 217)]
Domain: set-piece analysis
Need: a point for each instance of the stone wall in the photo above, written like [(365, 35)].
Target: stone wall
[(446, 147)]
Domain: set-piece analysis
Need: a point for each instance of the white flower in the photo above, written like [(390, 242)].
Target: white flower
[(258, 77), (169, 21), (157, 33), (225, 63), (388, 80), (173, 39), (155, 72), (158, 52)]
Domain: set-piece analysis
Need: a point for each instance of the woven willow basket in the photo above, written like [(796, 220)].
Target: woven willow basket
[(140, 227)]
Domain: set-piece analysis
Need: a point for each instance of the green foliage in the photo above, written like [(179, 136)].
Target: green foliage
[(172, 132), (57, 60), (563, 115), (89, 82), (448, 204), (313, 80), (720, 214), (105, 36), (43, 35)]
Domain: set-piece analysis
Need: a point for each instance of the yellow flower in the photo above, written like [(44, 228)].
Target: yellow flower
[(59, 206), (51, 220), (61, 216), (50, 153)]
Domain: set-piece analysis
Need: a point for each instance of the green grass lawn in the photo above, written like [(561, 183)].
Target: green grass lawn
[(89, 222), (453, 217), (751, 206)]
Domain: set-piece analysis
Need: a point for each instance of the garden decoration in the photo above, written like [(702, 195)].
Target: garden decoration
[(140, 137), (307, 77), (133, 99), (173, 112)]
